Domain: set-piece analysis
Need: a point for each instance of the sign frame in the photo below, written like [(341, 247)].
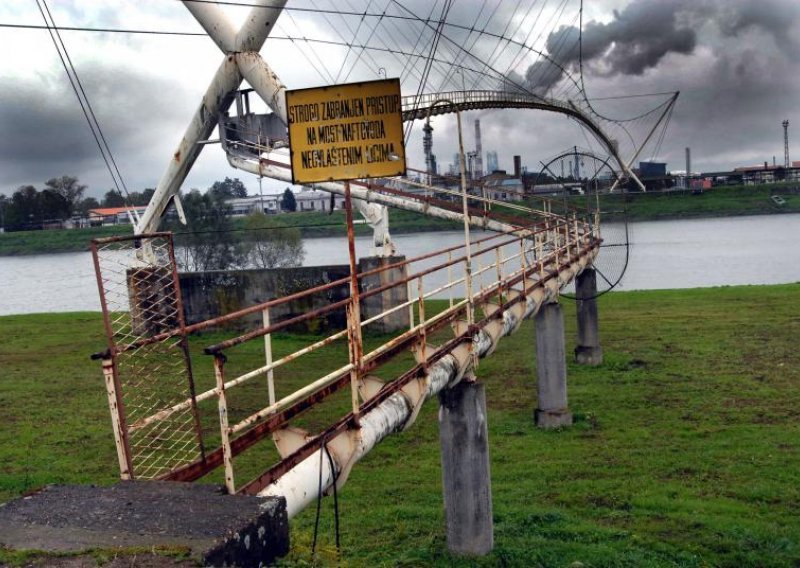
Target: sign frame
[(388, 163)]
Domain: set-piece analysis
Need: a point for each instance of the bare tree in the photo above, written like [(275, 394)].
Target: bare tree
[(68, 188), (270, 247)]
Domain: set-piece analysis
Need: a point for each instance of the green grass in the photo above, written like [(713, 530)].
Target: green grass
[(721, 201), (685, 451)]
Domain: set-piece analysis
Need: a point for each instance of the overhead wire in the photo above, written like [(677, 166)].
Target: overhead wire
[(84, 102), (369, 38), (355, 36)]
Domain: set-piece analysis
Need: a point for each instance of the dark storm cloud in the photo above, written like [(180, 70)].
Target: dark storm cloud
[(643, 33), (47, 134), (636, 39)]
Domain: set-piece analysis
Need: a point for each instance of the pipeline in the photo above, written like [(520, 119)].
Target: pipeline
[(300, 485)]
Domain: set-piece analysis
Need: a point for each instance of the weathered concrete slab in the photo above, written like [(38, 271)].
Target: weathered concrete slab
[(217, 528)]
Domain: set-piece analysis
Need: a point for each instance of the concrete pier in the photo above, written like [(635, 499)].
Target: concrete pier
[(551, 368), (390, 298), (465, 469), (588, 350)]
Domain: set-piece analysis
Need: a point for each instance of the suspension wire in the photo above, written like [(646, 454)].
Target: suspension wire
[(553, 56), (355, 37), (521, 50), (341, 36), (396, 54), (85, 104), (313, 51), (490, 60), (421, 33), (663, 134), (426, 70), (301, 50), (460, 56), (369, 38)]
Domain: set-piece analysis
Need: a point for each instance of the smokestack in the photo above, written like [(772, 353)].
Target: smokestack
[(427, 147), (478, 150), (786, 163), (518, 167), (688, 165)]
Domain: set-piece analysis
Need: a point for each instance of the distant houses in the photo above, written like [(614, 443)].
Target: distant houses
[(113, 215), (307, 200)]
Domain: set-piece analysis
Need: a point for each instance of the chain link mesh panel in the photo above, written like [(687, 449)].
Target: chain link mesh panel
[(143, 314)]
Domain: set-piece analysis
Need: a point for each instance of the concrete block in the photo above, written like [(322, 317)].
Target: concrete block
[(587, 350), (466, 477), (551, 368), (218, 529), (394, 296)]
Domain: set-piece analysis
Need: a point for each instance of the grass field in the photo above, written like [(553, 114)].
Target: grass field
[(685, 451), (719, 202)]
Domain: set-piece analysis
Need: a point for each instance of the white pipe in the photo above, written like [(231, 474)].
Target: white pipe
[(215, 23), (264, 81), (218, 98), (300, 485), (284, 175)]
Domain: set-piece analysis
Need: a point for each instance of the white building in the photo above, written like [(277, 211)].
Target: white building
[(243, 206), (314, 200), (504, 188)]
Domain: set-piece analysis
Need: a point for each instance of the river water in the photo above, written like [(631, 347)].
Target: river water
[(664, 254)]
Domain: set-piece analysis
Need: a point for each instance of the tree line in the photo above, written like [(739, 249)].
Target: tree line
[(63, 198), (60, 199), (211, 240)]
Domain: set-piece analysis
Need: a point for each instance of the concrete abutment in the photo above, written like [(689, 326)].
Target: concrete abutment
[(588, 350), (466, 477), (551, 368)]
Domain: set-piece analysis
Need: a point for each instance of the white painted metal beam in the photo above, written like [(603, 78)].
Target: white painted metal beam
[(218, 98)]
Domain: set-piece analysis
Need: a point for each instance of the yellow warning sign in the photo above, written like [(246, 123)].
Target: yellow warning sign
[(346, 132)]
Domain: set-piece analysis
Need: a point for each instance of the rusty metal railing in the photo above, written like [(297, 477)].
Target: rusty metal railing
[(149, 373)]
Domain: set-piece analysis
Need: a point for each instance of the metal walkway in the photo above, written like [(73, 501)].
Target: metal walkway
[(161, 404)]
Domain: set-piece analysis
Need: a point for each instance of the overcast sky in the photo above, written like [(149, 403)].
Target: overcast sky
[(735, 62)]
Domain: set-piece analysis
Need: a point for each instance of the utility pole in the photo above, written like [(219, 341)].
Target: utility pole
[(786, 143)]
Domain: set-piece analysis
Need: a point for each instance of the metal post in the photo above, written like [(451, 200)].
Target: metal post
[(354, 311), (268, 357), (410, 306), (423, 336), (120, 439), (224, 430), (465, 212), (450, 276)]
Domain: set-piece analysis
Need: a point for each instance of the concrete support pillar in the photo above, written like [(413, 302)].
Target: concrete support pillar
[(588, 350), (551, 368), (394, 296), (465, 469)]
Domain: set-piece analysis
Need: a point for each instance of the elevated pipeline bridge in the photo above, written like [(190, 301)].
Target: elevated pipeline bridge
[(290, 414), (162, 408)]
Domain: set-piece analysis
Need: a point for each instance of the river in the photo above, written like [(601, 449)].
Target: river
[(664, 254)]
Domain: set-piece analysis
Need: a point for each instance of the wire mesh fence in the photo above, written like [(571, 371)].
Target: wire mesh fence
[(147, 345)]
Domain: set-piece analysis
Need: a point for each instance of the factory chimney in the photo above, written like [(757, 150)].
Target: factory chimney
[(478, 151), (688, 165), (427, 147), (786, 163), (518, 167)]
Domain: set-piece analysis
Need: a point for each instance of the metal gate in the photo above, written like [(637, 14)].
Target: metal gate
[(147, 367)]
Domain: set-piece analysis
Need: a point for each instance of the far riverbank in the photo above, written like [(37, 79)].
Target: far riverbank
[(686, 253), (718, 202)]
